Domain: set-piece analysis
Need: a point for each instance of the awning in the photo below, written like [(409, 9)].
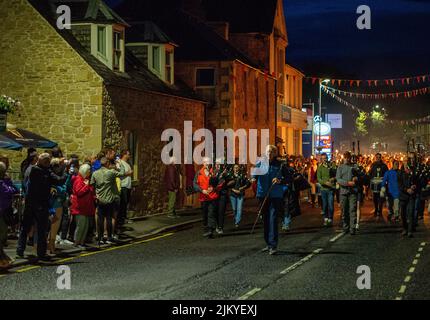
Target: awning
[(15, 139)]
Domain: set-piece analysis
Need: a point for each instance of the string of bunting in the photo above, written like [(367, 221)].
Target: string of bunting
[(404, 94), (355, 108), (373, 83)]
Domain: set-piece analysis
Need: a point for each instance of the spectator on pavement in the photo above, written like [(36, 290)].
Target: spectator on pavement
[(171, 181), (125, 187), (7, 190), (40, 181), (104, 181), (82, 204)]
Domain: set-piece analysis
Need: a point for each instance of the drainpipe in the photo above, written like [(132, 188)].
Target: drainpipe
[(276, 109)]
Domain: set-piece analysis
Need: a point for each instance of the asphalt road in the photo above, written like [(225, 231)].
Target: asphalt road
[(313, 263)]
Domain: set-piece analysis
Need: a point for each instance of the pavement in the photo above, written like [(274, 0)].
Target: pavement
[(136, 229), (314, 262)]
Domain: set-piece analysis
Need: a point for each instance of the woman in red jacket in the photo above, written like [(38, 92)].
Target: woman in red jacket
[(82, 203)]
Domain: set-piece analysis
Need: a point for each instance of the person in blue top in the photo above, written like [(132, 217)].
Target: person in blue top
[(271, 180), (390, 186)]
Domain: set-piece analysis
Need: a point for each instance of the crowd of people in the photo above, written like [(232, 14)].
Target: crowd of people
[(65, 201), (72, 203), (402, 182)]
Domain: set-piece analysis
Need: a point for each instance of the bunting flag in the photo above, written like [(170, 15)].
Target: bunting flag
[(357, 109), (374, 83), (394, 95)]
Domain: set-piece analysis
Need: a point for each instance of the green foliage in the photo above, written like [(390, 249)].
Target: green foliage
[(8, 105), (360, 125)]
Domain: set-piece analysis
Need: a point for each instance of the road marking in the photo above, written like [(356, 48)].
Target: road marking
[(340, 235), (249, 294), (411, 270), (27, 269), (301, 261)]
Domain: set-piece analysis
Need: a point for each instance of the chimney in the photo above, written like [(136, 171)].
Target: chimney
[(220, 27), (194, 7)]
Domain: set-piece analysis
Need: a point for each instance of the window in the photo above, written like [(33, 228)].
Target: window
[(117, 52), (296, 142), (156, 58), (101, 40), (169, 66), (205, 77)]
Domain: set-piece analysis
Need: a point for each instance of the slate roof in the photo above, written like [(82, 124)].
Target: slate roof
[(137, 76), (244, 16), (147, 31), (196, 40), (88, 11)]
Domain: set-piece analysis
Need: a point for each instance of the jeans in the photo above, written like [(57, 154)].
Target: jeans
[(236, 205), (378, 203), (40, 216), (348, 203), (393, 206), (407, 209), (222, 206), (287, 212), (123, 205), (327, 203), (171, 203), (419, 209), (65, 223), (271, 210), (209, 211), (105, 211)]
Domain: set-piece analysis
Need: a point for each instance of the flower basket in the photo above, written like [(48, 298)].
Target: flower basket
[(7, 105)]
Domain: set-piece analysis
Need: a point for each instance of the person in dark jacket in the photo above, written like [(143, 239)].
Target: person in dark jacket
[(171, 181), (376, 174), (222, 175), (238, 184), (408, 184), (270, 193), (40, 181)]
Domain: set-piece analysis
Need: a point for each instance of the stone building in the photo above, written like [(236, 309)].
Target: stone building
[(83, 89), (291, 119), (240, 91)]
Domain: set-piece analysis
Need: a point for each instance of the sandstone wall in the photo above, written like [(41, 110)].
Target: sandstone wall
[(147, 115), (60, 93)]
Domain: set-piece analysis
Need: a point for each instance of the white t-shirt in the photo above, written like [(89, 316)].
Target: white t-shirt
[(126, 181)]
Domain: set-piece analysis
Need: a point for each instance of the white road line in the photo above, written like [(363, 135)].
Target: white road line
[(399, 298), (340, 235), (407, 279), (301, 261), (411, 270), (418, 255), (249, 294), (415, 262), (420, 249), (423, 244), (402, 289)]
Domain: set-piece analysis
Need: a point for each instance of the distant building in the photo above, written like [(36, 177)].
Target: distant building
[(86, 90)]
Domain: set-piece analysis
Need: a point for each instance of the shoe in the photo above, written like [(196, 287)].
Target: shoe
[(285, 228), (45, 258), (266, 249), (404, 233), (353, 232), (66, 242), (236, 226), (325, 222), (110, 241), (329, 222), (208, 234), (219, 231), (273, 251), (19, 255)]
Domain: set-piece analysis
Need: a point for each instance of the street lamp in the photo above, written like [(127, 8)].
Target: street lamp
[(325, 81)]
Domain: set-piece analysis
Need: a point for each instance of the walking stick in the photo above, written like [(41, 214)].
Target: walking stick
[(261, 207)]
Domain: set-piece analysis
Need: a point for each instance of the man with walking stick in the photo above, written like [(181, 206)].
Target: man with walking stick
[(270, 191)]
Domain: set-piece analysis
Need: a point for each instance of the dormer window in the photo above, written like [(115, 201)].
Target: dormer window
[(117, 50), (101, 41), (156, 57)]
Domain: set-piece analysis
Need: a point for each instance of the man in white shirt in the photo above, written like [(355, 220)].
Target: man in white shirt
[(125, 186)]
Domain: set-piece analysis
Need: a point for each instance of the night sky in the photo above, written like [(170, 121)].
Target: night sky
[(324, 41)]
